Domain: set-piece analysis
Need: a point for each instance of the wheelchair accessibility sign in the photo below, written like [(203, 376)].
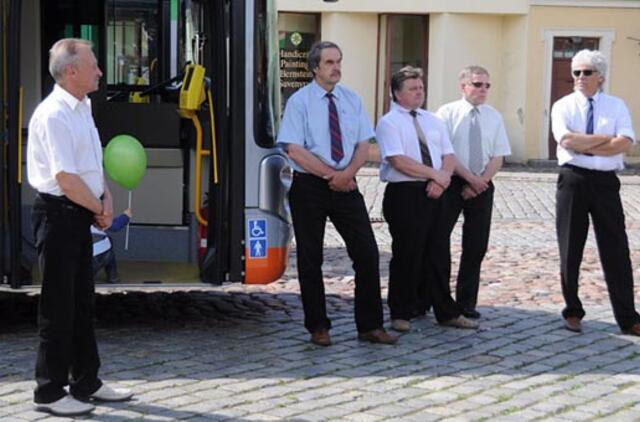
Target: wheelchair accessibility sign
[(257, 238)]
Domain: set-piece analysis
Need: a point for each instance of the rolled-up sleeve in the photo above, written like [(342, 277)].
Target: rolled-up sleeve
[(57, 139), (624, 127), (559, 117), (388, 138), (365, 128), (292, 124)]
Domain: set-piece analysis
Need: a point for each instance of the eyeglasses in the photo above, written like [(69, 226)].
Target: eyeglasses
[(480, 84), (587, 72)]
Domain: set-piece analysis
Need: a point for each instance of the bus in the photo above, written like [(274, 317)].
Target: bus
[(196, 82)]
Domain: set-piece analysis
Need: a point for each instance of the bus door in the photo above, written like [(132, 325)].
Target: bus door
[(12, 267)]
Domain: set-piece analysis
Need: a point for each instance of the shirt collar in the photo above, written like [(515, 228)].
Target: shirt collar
[(584, 100), (467, 106), (407, 111), (320, 92), (65, 96)]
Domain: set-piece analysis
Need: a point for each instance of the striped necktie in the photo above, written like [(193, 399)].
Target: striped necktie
[(334, 129), (424, 148)]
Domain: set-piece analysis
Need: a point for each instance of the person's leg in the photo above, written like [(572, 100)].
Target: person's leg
[(572, 225), (437, 265), (475, 239), (613, 246), (452, 207), (111, 266), (85, 361), (307, 198), (401, 210), (349, 215), (56, 309)]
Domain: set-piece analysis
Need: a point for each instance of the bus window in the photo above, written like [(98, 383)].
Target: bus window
[(267, 81), (132, 42)]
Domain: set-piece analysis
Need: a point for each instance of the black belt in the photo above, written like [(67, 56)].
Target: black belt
[(586, 170)]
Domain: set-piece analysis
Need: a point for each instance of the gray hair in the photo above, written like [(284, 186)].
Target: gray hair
[(593, 58), (64, 53), (313, 59), (466, 73), (398, 78)]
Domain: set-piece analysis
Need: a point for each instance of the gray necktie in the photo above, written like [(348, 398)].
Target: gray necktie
[(424, 148), (475, 142)]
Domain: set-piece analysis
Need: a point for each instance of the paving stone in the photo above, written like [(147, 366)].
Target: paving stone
[(241, 352)]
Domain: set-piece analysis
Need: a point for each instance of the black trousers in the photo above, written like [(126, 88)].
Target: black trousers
[(580, 193), (67, 354), (419, 256), (475, 238), (312, 201)]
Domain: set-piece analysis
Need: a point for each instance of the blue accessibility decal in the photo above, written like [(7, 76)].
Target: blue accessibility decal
[(258, 248)]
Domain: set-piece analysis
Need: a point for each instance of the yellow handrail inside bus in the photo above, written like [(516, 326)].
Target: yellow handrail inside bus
[(214, 149), (21, 96)]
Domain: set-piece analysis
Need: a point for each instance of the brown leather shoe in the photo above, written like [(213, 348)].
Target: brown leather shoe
[(321, 337), (573, 324), (634, 330), (379, 335)]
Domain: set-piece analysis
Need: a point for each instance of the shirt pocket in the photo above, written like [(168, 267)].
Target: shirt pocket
[(433, 139), (349, 127), (606, 126)]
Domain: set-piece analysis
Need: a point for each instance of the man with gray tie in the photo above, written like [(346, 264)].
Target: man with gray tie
[(417, 162), (593, 131), (480, 142)]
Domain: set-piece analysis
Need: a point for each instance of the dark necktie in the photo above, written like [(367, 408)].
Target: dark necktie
[(475, 142), (334, 129), (590, 118), (424, 148)]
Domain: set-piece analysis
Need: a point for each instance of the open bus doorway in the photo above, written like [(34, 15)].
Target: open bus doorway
[(142, 47)]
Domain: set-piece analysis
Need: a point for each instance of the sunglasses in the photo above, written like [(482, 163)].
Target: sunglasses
[(587, 72), (480, 84)]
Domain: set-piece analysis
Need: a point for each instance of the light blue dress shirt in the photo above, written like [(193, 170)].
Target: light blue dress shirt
[(306, 123)]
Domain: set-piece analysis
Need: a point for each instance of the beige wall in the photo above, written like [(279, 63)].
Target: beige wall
[(357, 36), (407, 6), (624, 65)]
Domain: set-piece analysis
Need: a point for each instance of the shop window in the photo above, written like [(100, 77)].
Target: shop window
[(297, 32)]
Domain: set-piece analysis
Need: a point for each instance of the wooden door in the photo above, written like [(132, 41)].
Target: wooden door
[(564, 48)]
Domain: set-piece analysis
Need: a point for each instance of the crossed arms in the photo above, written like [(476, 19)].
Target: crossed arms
[(603, 145)]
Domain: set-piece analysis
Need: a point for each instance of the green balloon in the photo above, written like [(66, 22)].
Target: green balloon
[(125, 160)]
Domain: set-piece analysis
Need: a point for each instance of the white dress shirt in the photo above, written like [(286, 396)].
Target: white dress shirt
[(396, 135), (457, 117), (610, 117), (63, 137)]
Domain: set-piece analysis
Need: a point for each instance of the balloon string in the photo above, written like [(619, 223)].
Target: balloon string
[(126, 236)]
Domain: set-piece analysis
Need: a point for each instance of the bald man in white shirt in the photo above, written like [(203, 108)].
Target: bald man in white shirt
[(64, 164), (593, 131)]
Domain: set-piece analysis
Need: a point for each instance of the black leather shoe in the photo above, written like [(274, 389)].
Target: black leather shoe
[(471, 313)]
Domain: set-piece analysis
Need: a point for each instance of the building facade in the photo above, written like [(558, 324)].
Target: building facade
[(526, 45)]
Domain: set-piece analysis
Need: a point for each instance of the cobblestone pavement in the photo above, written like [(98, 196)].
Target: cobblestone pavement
[(240, 352)]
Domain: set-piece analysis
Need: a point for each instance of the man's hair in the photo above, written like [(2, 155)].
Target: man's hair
[(466, 73), (398, 78), (313, 59), (64, 53), (592, 58)]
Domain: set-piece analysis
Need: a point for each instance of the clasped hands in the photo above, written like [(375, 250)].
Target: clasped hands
[(103, 221), (341, 181), (474, 187), (440, 181)]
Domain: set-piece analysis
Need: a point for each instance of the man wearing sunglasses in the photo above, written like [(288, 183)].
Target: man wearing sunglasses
[(480, 141), (593, 131)]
